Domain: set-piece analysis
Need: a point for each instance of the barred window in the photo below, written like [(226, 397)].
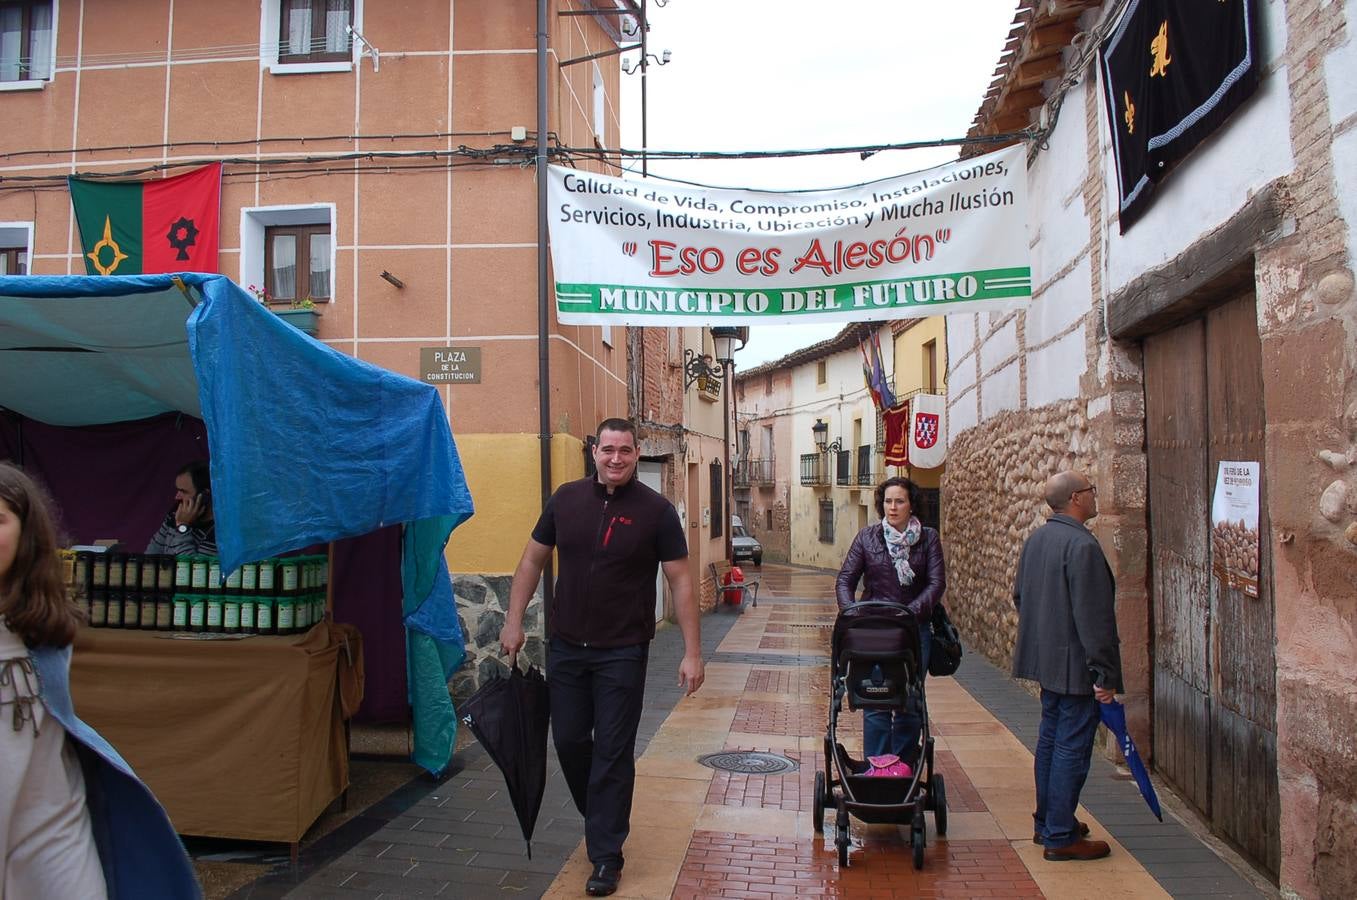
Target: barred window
[(826, 521)]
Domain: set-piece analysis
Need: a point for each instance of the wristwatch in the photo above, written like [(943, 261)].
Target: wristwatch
[(183, 529)]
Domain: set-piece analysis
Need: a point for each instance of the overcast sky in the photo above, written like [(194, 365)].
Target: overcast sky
[(797, 74)]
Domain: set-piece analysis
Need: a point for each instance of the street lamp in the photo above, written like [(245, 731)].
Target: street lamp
[(723, 338), (821, 431)]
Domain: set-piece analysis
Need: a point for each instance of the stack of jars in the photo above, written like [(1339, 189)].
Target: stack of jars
[(281, 595), (124, 590)]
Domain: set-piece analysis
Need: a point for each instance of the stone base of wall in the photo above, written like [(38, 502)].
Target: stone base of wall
[(993, 485)]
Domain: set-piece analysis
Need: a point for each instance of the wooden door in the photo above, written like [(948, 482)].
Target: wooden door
[(1214, 660)]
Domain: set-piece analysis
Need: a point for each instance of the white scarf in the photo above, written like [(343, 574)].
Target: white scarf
[(898, 544)]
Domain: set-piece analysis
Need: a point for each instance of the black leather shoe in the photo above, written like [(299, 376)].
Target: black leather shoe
[(604, 880), (1080, 828)]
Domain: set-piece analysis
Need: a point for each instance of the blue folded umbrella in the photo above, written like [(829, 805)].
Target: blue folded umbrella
[(1114, 717)]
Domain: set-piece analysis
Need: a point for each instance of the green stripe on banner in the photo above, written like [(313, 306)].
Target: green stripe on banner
[(868, 298)]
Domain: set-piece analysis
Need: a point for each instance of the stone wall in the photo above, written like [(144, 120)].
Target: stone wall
[(481, 603), (993, 485)]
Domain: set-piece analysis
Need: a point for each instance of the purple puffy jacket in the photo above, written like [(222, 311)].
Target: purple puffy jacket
[(868, 561)]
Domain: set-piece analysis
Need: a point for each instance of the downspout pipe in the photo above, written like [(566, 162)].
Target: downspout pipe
[(543, 294)]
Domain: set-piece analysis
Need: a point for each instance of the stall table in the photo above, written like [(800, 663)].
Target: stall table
[(237, 738)]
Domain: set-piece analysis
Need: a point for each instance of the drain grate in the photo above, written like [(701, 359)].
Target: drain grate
[(747, 763), (805, 625)]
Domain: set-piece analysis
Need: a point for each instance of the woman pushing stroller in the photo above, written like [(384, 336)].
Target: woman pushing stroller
[(898, 560)]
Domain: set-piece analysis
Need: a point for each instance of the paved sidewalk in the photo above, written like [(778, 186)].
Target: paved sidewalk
[(703, 833)]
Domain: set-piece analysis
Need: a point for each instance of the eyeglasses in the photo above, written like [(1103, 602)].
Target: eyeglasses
[(1091, 487)]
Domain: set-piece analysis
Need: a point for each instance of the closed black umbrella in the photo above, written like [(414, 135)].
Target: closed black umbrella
[(510, 716)]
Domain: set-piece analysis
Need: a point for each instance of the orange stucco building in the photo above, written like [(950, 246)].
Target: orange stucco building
[(379, 161)]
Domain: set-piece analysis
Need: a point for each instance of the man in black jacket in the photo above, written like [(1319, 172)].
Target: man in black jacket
[(1067, 641), (610, 532)]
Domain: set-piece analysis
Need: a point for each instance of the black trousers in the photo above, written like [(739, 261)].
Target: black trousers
[(596, 697)]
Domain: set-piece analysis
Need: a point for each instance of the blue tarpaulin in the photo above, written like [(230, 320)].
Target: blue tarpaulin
[(308, 445)]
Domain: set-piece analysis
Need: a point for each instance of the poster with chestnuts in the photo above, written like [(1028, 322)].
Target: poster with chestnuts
[(1234, 525)]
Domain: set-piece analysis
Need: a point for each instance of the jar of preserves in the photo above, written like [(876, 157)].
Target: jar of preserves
[(230, 614), (197, 612), (148, 612), (247, 619), (165, 574), (179, 612), (289, 572), (99, 607), (131, 609), (233, 581), (264, 608), (249, 578), (198, 578), (117, 565), (183, 573), (149, 566), (287, 614), (213, 575), (214, 613), (99, 570), (268, 571), (115, 609)]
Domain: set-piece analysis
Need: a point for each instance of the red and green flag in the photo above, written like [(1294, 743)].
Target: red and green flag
[(149, 227)]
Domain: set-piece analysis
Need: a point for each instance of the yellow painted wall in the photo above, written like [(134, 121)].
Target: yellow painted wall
[(502, 472)]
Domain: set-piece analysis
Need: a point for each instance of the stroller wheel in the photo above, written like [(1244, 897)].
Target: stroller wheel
[(818, 816), (917, 839), (937, 789)]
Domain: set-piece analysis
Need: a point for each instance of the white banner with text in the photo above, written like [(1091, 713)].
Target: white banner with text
[(951, 239)]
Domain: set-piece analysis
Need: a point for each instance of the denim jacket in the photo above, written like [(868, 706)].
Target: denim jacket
[(141, 855)]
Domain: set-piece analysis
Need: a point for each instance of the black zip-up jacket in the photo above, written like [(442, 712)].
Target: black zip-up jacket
[(608, 549)]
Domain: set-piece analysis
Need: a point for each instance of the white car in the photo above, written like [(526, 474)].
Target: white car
[(743, 545)]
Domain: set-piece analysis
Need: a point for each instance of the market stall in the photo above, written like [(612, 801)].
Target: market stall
[(108, 383)]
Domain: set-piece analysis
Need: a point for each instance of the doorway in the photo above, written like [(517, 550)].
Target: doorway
[(1215, 704)]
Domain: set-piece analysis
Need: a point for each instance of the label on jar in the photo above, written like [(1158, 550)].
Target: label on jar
[(197, 613), (131, 612), (249, 577), (148, 614), (214, 614), (199, 581), (115, 613), (148, 574), (266, 577), (165, 575), (180, 612), (115, 573), (99, 575), (233, 581), (247, 615), (264, 617), (286, 616), (99, 612), (214, 575), (164, 614), (303, 614), (289, 578), (231, 616), (183, 571)]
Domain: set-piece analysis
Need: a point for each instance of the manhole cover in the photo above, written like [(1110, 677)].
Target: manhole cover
[(749, 763)]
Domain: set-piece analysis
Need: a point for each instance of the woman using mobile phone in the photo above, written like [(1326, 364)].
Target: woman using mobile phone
[(74, 819), (189, 528)]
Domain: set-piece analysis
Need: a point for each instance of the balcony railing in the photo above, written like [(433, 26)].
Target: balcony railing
[(813, 469), (760, 471)]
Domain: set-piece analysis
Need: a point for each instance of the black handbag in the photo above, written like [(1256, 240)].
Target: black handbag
[(944, 657)]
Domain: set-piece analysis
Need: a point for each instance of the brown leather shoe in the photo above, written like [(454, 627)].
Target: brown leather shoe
[(1080, 827), (1082, 849)]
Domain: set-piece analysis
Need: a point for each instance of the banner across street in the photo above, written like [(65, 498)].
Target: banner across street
[(951, 239)]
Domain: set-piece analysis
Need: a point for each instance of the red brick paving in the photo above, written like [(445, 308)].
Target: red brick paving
[(725, 865), (961, 794)]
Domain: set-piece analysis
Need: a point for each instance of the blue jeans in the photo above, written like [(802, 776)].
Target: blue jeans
[(1064, 751), (896, 732)]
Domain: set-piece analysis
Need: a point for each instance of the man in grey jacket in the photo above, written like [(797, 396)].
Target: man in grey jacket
[(1067, 641)]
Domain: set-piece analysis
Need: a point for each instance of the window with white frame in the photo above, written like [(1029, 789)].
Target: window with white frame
[(309, 35), (26, 40), (16, 247), (288, 253)]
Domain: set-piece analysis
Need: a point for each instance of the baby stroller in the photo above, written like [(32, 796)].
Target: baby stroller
[(875, 665)]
